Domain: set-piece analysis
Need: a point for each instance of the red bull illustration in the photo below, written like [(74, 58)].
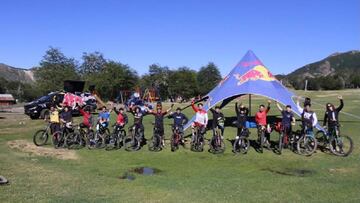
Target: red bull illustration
[(259, 72)]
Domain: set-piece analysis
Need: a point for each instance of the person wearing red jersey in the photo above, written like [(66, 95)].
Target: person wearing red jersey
[(87, 117), (201, 119), (261, 120), (121, 118)]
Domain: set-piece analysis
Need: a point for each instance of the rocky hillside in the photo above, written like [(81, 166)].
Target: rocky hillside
[(340, 68), (10, 73)]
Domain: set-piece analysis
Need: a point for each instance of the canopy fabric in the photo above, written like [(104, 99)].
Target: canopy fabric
[(249, 76)]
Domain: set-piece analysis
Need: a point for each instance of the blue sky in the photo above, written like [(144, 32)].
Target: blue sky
[(284, 34)]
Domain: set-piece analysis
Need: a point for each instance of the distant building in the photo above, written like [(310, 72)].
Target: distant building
[(7, 99)]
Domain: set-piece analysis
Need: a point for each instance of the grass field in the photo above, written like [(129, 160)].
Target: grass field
[(185, 176)]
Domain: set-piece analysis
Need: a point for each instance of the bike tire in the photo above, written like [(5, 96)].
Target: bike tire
[(40, 137), (155, 144), (281, 144), (244, 145), (131, 144), (58, 139), (335, 142), (306, 145)]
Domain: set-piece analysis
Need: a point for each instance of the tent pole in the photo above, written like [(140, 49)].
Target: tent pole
[(249, 105)]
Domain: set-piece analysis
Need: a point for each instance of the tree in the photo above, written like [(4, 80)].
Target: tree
[(54, 68), (207, 78), (183, 83), (92, 63), (113, 78), (158, 78)]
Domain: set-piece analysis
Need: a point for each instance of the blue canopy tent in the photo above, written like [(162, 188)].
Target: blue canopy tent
[(249, 76)]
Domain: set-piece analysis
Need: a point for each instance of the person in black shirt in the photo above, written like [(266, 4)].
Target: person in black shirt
[(138, 118), (242, 113), (288, 119), (179, 121), (159, 120), (218, 120), (331, 117)]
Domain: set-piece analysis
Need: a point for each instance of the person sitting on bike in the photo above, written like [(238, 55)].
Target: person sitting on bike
[(66, 117), (138, 118), (242, 113), (331, 117), (103, 118), (287, 120), (218, 120), (54, 120), (179, 121), (159, 120), (261, 120), (201, 119), (308, 117), (121, 119), (87, 117)]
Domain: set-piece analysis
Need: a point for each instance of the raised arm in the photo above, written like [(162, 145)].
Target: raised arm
[(341, 104), (194, 107), (236, 108), (116, 111), (301, 110), (268, 107)]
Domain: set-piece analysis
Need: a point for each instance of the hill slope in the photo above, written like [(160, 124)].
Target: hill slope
[(342, 67), (10, 73)]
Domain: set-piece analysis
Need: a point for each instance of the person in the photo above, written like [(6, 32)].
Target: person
[(138, 118), (179, 121), (66, 118), (287, 120), (218, 120), (331, 117), (103, 118), (261, 120), (159, 120), (242, 113), (308, 117), (87, 117), (121, 119), (201, 119), (54, 120)]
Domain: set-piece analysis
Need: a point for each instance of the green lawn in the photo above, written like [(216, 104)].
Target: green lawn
[(184, 176)]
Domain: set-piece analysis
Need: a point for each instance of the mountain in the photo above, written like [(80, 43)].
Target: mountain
[(342, 68), (10, 73)]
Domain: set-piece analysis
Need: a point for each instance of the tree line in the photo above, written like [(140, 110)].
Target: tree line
[(110, 77)]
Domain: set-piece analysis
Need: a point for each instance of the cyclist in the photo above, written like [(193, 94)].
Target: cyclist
[(287, 120), (66, 119), (159, 119), (261, 121), (179, 121), (201, 119), (242, 113), (121, 119), (308, 117), (87, 117), (54, 119), (331, 117), (218, 120), (138, 118), (103, 118)]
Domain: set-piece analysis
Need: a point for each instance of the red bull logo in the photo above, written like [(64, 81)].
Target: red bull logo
[(259, 72)]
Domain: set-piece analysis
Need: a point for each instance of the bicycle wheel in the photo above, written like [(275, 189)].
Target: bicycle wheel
[(321, 139), (111, 141), (200, 143), (72, 140), (131, 143), (40, 137), (306, 145), (174, 143), (120, 138), (341, 145)]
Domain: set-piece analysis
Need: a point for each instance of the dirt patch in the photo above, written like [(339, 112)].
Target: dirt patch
[(29, 147), (341, 170)]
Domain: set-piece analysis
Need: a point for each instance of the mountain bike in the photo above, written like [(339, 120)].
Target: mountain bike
[(307, 143), (242, 143), (116, 138), (132, 142), (98, 141), (339, 145), (155, 144), (175, 138), (197, 145), (284, 139), (59, 137), (262, 140), (216, 144), (41, 137)]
